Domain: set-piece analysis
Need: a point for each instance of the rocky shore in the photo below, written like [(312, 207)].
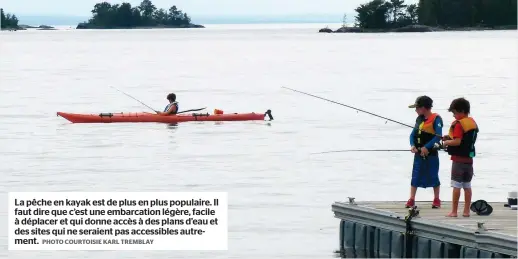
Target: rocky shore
[(23, 27), (414, 28), (41, 27)]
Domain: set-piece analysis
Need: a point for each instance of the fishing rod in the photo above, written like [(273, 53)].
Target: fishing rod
[(401, 123), (133, 98), (435, 147), (191, 110), (363, 150)]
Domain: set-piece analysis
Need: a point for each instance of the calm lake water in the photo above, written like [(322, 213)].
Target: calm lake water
[(280, 193)]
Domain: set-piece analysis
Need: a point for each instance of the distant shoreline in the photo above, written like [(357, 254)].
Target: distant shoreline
[(347, 29), (415, 28), (85, 26), (23, 27)]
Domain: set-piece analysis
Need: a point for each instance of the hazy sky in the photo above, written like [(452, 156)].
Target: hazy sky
[(192, 7)]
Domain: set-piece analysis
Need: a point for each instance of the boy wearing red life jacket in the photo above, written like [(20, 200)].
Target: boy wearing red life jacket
[(460, 144)]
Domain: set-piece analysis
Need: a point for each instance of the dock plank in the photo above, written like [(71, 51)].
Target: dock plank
[(503, 220)]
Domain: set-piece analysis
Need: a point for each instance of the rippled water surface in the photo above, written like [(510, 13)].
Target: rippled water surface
[(280, 194)]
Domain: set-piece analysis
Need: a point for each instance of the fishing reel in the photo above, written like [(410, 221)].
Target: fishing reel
[(436, 147), (440, 146)]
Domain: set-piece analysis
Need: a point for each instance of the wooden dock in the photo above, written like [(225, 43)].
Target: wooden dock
[(502, 220), (379, 229)]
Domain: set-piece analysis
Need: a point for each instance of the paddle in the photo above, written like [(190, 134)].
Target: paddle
[(192, 110)]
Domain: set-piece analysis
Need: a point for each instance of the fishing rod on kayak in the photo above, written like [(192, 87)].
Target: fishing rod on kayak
[(401, 123), (191, 110), (133, 98)]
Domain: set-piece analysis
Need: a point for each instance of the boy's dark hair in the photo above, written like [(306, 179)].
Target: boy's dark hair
[(171, 97), (460, 105)]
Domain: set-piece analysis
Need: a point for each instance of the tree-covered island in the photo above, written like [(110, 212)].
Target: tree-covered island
[(8, 21), (433, 15), (145, 15)]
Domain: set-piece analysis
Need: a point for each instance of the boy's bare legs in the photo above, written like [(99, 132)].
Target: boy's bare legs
[(467, 201), (454, 202)]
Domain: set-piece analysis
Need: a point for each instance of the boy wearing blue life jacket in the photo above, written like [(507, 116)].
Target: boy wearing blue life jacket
[(424, 136), (172, 107)]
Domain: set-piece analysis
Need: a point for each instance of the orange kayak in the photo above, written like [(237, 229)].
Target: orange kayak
[(151, 117)]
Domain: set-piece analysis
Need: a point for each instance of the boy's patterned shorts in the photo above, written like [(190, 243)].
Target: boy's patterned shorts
[(461, 175)]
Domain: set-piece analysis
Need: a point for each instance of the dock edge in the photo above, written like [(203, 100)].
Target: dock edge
[(485, 241)]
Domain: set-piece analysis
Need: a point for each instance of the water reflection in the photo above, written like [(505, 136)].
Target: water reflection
[(172, 126)]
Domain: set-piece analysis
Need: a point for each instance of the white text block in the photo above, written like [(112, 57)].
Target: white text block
[(118, 221)]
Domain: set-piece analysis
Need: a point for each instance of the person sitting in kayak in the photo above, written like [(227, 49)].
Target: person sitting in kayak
[(172, 107)]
